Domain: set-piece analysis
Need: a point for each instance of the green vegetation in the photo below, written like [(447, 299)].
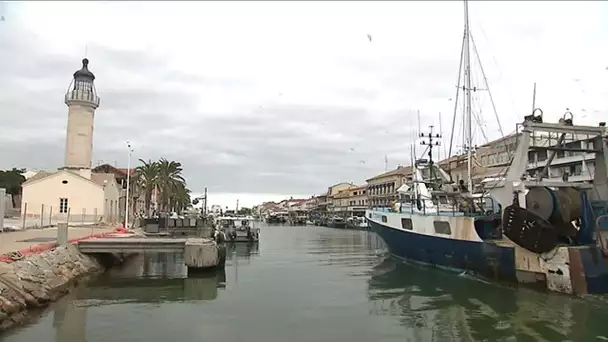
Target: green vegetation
[(245, 211), (165, 177), (11, 180)]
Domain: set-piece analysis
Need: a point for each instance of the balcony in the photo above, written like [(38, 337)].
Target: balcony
[(84, 96)]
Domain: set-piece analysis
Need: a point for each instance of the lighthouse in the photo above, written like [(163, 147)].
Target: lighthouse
[(75, 192), (82, 101)]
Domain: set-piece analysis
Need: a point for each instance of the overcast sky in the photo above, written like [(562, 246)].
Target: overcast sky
[(266, 100)]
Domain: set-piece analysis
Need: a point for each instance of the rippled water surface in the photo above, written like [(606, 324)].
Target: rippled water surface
[(309, 284)]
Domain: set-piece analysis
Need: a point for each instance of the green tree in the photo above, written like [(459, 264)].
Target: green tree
[(169, 181), (11, 180), (147, 177), (180, 199), (245, 211)]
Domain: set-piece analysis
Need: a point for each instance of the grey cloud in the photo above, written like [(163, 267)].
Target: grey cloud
[(123, 63), (279, 148)]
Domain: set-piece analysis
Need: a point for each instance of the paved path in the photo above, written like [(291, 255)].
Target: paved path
[(13, 241), (16, 223)]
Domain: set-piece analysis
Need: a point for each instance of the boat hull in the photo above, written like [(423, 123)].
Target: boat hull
[(482, 258), (577, 270)]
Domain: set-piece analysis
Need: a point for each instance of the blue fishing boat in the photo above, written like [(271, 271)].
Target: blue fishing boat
[(523, 228)]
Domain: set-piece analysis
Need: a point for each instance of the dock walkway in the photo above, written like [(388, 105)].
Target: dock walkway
[(18, 240)]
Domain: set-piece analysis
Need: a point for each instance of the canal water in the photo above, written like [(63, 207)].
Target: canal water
[(309, 284)]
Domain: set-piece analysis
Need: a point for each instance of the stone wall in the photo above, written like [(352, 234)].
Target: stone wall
[(39, 279)]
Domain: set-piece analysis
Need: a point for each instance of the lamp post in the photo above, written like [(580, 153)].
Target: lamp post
[(129, 150)]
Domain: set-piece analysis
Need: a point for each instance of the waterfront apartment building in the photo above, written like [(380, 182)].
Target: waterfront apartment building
[(333, 197), (322, 203), (382, 189), (494, 158), (352, 201)]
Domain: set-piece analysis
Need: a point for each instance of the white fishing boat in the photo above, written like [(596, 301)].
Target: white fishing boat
[(238, 229)]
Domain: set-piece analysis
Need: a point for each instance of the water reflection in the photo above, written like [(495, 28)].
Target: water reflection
[(243, 252), (437, 306), (341, 247), (69, 320), (317, 284)]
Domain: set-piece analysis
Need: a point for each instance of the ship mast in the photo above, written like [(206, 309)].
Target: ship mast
[(467, 89)]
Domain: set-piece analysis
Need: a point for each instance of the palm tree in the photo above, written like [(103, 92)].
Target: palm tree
[(181, 197), (169, 180), (147, 176)]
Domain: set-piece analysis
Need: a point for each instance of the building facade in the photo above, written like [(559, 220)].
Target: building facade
[(334, 198), (352, 201), (493, 159), (381, 190)]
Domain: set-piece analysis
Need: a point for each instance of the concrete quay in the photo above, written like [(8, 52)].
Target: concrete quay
[(200, 254)]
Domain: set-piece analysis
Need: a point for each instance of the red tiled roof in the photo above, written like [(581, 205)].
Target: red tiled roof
[(132, 171), (105, 168)]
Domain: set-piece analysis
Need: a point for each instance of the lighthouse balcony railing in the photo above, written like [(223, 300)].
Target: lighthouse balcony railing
[(75, 95)]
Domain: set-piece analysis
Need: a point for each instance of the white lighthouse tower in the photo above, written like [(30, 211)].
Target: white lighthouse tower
[(82, 101)]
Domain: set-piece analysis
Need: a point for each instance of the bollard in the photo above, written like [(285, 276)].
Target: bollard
[(2, 207), (50, 216), (41, 216), (24, 213), (84, 213), (201, 254), (62, 234)]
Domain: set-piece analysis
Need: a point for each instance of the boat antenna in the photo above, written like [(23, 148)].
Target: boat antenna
[(467, 89), (440, 132), (430, 143), (385, 163), (534, 98), (419, 130)]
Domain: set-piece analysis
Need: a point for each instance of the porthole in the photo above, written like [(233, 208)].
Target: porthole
[(64, 182)]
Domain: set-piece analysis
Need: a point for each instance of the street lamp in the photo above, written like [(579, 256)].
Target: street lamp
[(129, 151)]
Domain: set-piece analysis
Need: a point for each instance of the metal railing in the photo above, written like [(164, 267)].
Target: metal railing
[(41, 216)]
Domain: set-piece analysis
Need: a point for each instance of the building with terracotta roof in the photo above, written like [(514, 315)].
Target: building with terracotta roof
[(351, 201)]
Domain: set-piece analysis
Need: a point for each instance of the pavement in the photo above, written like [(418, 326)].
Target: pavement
[(17, 240), (16, 223)]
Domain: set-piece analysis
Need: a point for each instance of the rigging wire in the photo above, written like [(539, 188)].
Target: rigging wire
[(456, 97), (500, 74), (485, 79)]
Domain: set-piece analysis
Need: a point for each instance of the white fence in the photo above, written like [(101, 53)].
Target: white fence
[(49, 215)]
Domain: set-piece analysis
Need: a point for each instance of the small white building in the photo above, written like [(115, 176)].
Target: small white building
[(74, 190)]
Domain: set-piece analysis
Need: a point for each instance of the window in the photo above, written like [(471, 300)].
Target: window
[(384, 219), (442, 227), (406, 223), (63, 205)]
